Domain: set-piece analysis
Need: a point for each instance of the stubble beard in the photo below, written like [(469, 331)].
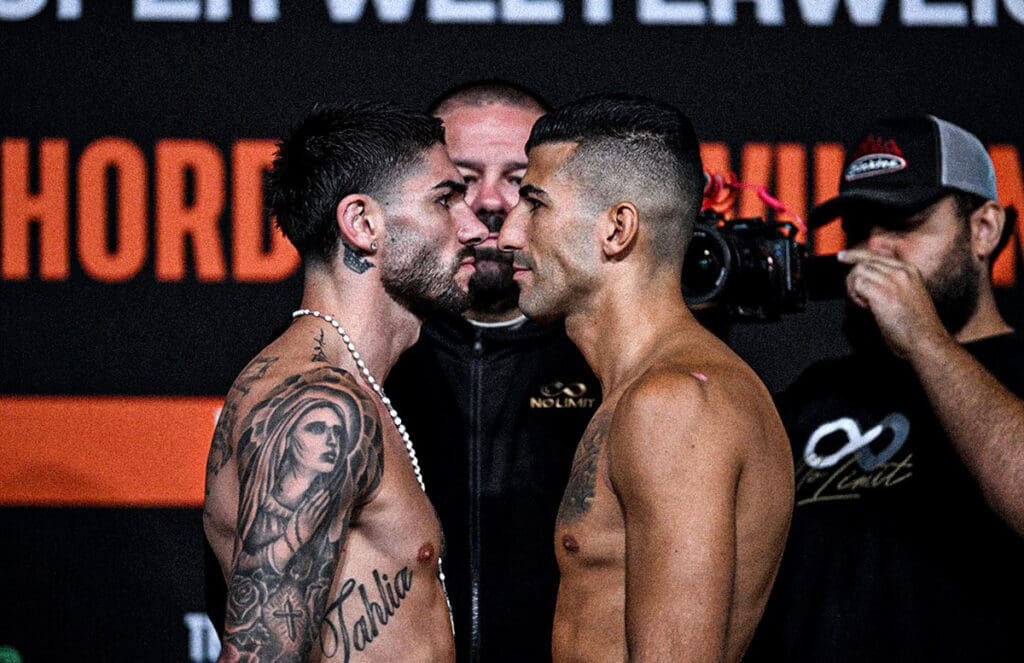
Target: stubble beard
[(550, 301), (415, 276), (559, 289), (954, 293)]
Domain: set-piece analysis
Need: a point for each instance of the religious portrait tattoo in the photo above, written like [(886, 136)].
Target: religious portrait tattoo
[(310, 451), (579, 493)]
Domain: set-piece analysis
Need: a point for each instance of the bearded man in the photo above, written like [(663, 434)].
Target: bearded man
[(496, 403), (906, 537), (315, 506)]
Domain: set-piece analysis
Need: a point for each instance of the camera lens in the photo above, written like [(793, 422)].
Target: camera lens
[(706, 266)]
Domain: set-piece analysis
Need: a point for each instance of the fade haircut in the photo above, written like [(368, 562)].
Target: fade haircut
[(632, 148), (337, 150), (488, 91)]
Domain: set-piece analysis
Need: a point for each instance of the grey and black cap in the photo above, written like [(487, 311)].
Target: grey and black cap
[(909, 163)]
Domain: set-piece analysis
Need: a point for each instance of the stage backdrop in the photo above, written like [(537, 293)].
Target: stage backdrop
[(138, 273)]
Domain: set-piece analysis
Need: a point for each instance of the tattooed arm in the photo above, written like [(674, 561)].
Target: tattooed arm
[(672, 463), (221, 449), (310, 452)]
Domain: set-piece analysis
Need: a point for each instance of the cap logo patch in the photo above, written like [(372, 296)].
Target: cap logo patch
[(875, 156), (870, 165)]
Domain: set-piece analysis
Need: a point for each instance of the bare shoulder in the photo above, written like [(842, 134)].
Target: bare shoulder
[(319, 400), (659, 416), (694, 409), (307, 452), (222, 447), (314, 433), (273, 405), (696, 391)]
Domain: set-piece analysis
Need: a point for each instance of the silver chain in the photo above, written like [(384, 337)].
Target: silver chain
[(347, 340)]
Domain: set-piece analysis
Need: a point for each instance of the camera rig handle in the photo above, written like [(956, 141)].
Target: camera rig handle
[(720, 192)]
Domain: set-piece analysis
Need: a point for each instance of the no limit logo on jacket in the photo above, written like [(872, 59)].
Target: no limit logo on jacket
[(562, 395)]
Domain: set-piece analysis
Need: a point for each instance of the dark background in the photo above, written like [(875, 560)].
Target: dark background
[(115, 583)]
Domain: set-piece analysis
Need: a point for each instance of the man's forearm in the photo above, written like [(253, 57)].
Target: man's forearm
[(983, 419)]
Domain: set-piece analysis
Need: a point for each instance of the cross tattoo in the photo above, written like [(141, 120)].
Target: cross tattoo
[(289, 613)]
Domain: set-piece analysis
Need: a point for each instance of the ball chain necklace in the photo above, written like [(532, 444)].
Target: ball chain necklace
[(347, 340)]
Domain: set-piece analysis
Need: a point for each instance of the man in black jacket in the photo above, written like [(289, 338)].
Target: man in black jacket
[(495, 404)]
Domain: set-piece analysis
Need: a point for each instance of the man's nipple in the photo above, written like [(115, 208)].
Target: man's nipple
[(426, 553), (570, 543)]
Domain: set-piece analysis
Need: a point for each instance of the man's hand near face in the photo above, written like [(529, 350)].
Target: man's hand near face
[(895, 293)]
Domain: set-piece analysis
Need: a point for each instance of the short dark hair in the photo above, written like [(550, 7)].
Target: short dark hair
[(488, 91), (632, 148), (337, 150)]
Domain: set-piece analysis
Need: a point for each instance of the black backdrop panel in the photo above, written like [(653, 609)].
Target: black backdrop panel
[(126, 584)]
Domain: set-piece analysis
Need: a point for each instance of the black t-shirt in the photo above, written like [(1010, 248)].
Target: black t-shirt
[(893, 553)]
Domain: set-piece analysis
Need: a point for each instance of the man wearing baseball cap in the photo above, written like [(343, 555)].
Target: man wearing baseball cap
[(906, 542)]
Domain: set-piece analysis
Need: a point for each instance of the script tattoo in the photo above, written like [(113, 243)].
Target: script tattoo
[(579, 494), (354, 260), (318, 349), (309, 452), (374, 616), (220, 448)]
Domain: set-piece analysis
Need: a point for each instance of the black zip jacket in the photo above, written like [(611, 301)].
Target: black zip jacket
[(495, 415)]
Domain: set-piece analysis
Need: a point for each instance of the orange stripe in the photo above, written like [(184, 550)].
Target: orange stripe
[(105, 451)]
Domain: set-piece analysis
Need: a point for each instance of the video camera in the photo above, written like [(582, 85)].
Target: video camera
[(753, 267)]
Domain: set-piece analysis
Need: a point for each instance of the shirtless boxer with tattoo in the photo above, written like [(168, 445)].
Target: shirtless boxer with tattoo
[(314, 509), (672, 526)]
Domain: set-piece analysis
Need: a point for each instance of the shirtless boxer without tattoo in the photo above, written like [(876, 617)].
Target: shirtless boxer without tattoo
[(672, 526), (327, 542)]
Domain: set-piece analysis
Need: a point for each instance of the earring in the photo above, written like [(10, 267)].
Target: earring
[(373, 245)]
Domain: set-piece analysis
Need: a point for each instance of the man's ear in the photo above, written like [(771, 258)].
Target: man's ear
[(986, 229), (618, 229), (359, 221)]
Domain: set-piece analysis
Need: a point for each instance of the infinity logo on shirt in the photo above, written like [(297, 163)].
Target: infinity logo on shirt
[(857, 442), (839, 462)]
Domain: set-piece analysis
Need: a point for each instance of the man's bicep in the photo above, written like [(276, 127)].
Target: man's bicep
[(310, 452), (676, 478)]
